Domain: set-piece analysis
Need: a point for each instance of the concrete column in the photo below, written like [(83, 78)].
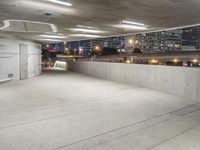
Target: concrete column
[(23, 61)]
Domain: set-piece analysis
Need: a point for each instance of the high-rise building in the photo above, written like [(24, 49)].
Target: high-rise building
[(86, 45), (110, 42), (191, 38), (159, 41)]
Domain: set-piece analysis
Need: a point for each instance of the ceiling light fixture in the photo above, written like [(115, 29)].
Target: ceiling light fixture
[(135, 27), (53, 36), (46, 5), (86, 30), (86, 35), (61, 2), (50, 40), (87, 27), (133, 23), (60, 34)]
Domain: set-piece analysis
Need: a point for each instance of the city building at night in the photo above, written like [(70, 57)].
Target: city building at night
[(159, 41), (186, 39), (191, 38)]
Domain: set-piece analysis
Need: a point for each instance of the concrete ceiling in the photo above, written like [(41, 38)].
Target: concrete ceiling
[(102, 14)]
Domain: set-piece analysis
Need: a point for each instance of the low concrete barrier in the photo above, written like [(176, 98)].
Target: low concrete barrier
[(179, 81)]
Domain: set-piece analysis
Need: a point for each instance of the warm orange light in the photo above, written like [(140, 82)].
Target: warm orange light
[(175, 60), (195, 60), (130, 41), (128, 61), (97, 48), (154, 61)]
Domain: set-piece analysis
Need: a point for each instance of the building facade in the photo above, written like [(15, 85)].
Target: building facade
[(186, 39), (159, 41), (191, 38)]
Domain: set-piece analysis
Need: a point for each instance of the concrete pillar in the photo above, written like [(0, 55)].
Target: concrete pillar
[(23, 61)]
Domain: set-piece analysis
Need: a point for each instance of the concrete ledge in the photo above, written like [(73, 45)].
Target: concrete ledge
[(180, 81), (6, 80)]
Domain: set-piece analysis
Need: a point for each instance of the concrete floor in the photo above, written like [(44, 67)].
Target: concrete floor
[(70, 111)]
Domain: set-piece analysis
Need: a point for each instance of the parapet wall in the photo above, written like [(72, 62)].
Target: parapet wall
[(180, 81)]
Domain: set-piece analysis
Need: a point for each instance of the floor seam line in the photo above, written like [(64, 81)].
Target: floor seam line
[(44, 120), (112, 131), (173, 137)]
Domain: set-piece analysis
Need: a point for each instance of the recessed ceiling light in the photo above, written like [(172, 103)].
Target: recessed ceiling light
[(50, 40), (53, 36), (86, 30), (133, 27), (85, 35), (130, 27), (133, 23), (61, 2), (46, 5), (87, 27), (60, 34)]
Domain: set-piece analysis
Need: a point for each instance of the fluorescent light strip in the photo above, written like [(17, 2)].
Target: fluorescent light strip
[(87, 27), (133, 23), (86, 30), (86, 35), (60, 2), (53, 36), (132, 27), (50, 40), (46, 5)]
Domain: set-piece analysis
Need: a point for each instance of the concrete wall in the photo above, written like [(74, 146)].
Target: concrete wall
[(10, 59), (180, 81), (34, 60)]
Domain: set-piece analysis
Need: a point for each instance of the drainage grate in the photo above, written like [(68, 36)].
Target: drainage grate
[(186, 110)]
